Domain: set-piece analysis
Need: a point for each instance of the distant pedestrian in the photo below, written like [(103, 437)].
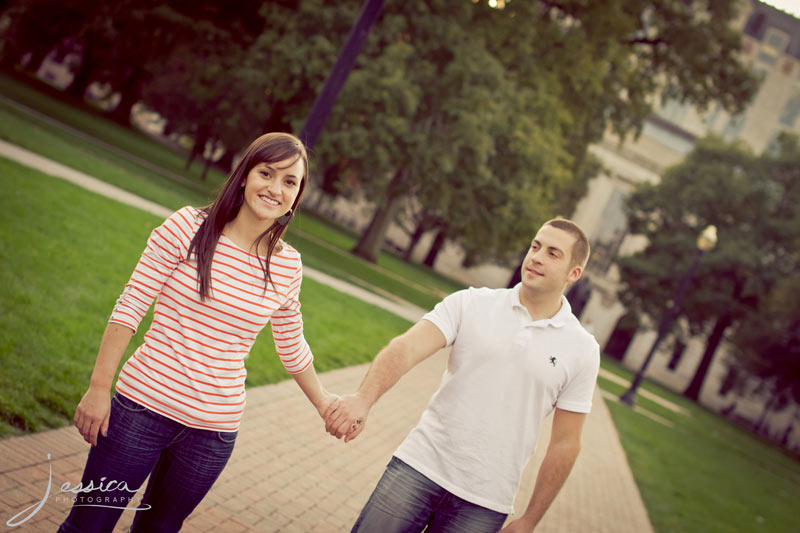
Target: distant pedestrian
[(517, 354), (217, 275)]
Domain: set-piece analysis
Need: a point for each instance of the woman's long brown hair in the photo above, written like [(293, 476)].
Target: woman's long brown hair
[(269, 148)]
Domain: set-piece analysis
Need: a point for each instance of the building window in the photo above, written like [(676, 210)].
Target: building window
[(791, 109), (677, 354), (773, 46), (777, 39)]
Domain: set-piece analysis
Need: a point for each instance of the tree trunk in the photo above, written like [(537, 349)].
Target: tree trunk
[(470, 259), (420, 230), (200, 139), (38, 54), (764, 412), (436, 246), (277, 120), (369, 245), (693, 390), (130, 95), (206, 166), (83, 76), (226, 161)]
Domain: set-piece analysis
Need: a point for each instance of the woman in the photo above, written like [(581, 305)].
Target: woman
[(218, 275)]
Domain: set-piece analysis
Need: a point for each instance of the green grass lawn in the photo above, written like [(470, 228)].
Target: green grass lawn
[(89, 120), (705, 474), (59, 145), (323, 245), (65, 255)]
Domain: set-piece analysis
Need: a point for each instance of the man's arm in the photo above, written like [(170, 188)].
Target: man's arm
[(565, 443), (347, 416)]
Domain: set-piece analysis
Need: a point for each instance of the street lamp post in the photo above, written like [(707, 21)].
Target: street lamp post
[(705, 242)]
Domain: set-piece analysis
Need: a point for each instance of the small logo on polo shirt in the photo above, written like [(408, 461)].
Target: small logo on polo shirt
[(553, 360)]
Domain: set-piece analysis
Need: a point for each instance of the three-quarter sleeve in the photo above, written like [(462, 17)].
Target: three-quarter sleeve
[(287, 329), (166, 248)]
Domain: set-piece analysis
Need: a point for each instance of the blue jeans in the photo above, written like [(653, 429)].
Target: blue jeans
[(183, 464), (405, 501)]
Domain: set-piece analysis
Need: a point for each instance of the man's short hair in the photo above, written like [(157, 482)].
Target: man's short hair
[(581, 249)]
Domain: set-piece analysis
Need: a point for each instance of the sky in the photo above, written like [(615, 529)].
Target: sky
[(790, 6)]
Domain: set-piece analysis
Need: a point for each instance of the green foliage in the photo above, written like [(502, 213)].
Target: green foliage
[(133, 43), (431, 113), (753, 202), (769, 347), (489, 112)]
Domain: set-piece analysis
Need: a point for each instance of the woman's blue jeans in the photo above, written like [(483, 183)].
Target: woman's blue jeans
[(183, 464), (405, 501)]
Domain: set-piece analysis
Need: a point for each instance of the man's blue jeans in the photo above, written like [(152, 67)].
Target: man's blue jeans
[(183, 464), (405, 501)]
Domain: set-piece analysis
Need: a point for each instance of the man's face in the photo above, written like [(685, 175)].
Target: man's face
[(547, 266)]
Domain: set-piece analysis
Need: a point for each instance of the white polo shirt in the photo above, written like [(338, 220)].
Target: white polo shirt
[(505, 374)]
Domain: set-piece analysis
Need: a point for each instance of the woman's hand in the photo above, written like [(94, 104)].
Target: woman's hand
[(328, 399), (92, 414)]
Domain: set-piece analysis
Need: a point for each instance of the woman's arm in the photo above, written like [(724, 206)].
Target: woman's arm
[(166, 247), (308, 381), (93, 410)]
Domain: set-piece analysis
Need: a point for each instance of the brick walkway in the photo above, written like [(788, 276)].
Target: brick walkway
[(286, 474)]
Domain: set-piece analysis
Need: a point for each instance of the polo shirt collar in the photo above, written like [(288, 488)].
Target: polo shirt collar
[(558, 320)]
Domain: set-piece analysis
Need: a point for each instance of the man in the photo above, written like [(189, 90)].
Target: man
[(517, 354)]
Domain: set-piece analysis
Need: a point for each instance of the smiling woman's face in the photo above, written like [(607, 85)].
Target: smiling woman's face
[(270, 189)]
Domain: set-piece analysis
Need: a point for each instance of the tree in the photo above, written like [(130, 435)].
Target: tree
[(752, 201), (771, 349), (197, 91), (431, 115), (769, 346), (140, 39), (613, 59), (37, 26), (586, 66), (128, 43)]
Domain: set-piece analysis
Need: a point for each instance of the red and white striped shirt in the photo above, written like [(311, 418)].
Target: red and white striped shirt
[(191, 365)]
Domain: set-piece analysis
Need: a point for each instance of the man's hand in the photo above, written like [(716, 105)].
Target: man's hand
[(92, 414), (517, 526), (347, 416)]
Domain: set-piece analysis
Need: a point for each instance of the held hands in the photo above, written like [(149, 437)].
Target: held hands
[(347, 416), (92, 414)]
